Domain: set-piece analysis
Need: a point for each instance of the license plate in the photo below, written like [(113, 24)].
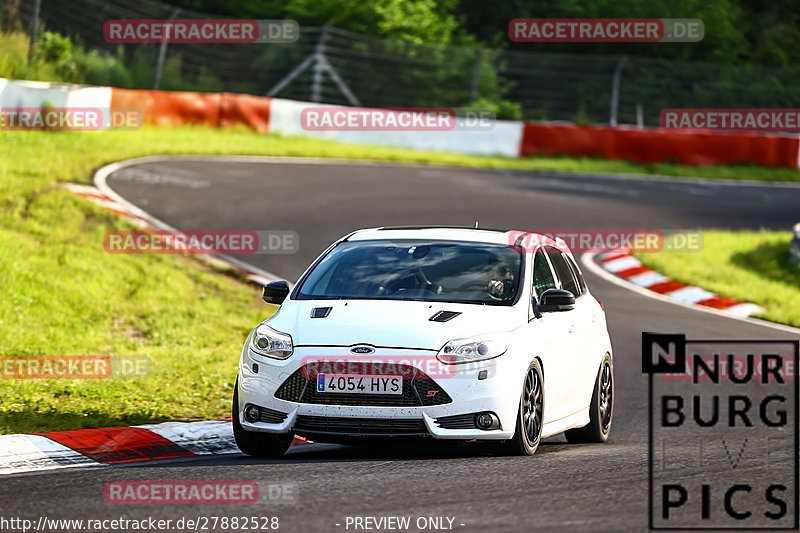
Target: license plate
[(354, 384)]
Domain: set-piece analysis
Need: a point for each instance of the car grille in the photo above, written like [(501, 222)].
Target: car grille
[(359, 426), (466, 421), (418, 390)]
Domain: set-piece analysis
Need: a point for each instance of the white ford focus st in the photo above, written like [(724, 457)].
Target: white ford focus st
[(445, 333)]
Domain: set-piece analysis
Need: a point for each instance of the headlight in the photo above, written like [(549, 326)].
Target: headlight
[(270, 343), (473, 349)]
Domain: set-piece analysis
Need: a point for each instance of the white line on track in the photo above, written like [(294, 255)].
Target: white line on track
[(646, 178), (100, 181), (587, 260)]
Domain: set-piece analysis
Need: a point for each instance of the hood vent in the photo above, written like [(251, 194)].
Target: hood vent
[(444, 316), (320, 312)]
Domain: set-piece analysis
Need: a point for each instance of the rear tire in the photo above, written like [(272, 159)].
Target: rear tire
[(265, 445), (530, 416), (601, 410)]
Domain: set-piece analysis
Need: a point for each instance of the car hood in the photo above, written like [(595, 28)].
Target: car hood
[(396, 324)]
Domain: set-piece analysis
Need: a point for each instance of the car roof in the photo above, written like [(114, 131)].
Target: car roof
[(455, 233)]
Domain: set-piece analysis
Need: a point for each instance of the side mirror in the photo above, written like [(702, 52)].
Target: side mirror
[(554, 300), (275, 292)]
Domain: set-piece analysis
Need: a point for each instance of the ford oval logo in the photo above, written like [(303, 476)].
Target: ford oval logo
[(362, 349)]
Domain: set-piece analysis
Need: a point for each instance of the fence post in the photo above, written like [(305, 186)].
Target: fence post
[(615, 90), (34, 29), (319, 65), (476, 72), (162, 54)]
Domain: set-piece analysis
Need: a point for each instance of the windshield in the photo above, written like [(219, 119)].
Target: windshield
[(462, 272)]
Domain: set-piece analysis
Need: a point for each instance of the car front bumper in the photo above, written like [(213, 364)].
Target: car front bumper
[(497, 393)]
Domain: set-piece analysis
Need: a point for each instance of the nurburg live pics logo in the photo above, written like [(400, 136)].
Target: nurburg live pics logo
[(723, 433)]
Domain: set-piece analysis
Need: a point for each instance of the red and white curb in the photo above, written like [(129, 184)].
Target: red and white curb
[(138, 217), (94, 195), (624, 265), (107, 446)]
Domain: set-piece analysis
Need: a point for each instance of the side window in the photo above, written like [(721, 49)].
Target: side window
[(564, 272), (542, 275), (578, 276)]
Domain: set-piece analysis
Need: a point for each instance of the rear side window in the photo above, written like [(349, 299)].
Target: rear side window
[(542, 275), (564, 272)]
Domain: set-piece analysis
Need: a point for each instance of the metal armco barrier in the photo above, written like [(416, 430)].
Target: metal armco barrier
[(508, 138)]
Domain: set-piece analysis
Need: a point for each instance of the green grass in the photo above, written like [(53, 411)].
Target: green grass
[(751, 266), (63, 295)]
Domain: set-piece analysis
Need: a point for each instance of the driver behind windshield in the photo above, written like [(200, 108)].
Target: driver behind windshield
[(502, 285)]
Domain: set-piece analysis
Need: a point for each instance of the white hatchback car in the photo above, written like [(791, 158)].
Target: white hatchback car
[(449, 333)]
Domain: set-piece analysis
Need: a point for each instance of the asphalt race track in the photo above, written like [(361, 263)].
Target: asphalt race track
[(575, 487)]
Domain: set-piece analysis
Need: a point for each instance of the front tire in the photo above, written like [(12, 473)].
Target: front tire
[(601, 410), (264, 445), (530, 416)]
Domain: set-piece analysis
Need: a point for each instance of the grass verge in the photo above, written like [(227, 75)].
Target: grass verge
[(63, 295), (751, 266)]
